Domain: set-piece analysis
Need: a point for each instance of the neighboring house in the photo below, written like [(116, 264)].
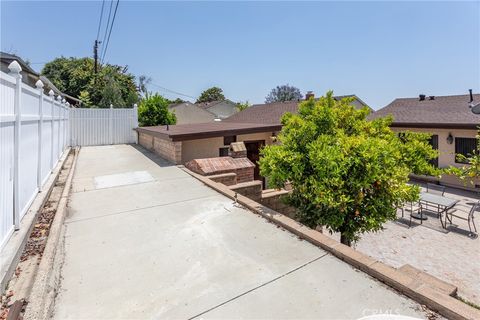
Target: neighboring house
[(188, 112), (273, 112), (30, 77), (448, 118), (256, 126)]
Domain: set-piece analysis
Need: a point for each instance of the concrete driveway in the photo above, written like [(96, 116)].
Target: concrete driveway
[(146, 240)]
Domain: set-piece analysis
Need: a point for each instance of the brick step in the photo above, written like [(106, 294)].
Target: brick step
[(428, 279)]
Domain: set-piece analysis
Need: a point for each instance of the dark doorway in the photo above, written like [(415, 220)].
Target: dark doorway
[(253, 153)]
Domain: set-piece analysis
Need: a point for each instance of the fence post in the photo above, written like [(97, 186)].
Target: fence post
[(39, 85), (59, 99), (52, 96), (135, 121), (65, 123), (110, 123), (15, 69)]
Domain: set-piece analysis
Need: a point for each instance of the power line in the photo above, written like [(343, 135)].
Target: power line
[(110, 33), (172, 91), (106, 27), (100, 22)]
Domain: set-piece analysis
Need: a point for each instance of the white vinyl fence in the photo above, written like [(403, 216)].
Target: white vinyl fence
[(35, 130), (103, 126)]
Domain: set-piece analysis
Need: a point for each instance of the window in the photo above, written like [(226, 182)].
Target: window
[(223, 152), (465, 146), (433, 141), (229, 139)]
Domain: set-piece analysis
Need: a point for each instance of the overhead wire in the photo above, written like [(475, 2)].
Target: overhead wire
[(110, 33)]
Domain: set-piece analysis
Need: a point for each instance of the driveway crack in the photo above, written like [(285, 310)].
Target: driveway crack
[(259, 286)]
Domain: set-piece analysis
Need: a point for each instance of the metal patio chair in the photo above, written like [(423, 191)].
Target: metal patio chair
[(470, 217), (435, 189)]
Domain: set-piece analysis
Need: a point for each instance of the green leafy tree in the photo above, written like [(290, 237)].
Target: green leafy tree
[(284, 93), (211, 94), (243, 105), (471, 170), (153, 111), (76, 75), (348, 174)]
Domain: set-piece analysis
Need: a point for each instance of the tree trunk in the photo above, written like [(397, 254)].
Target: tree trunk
[(345, 240)]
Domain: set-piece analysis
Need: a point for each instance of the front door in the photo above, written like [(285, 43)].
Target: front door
[(253, 153)]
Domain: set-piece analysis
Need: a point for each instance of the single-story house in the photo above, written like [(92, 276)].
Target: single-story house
[(188, 112), (448, 119), (256, 126)]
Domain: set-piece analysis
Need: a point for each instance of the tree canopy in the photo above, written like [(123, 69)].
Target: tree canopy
[(243, 105), (348, 174), (153, 111), (76, 77), (284, 93), (211, 94)]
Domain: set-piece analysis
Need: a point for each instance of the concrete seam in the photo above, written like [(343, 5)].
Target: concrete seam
[(259, 286), (128, 185), (138, 209)]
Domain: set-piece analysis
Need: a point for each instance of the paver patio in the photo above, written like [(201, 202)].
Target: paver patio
[(450, 255), (146, 240)]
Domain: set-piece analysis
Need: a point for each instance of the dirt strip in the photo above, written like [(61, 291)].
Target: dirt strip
[(20, 285)]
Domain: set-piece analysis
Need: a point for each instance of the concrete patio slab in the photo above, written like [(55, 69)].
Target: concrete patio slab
[(174, 248)]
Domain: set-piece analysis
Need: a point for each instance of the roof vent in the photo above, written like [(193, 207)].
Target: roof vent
[(421, 97), (471, 95), (431, 97)]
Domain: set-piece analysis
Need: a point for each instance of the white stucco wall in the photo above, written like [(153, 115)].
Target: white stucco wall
[(446, 151)]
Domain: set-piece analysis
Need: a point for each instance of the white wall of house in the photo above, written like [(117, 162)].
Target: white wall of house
[(190, 113), (446, 151)]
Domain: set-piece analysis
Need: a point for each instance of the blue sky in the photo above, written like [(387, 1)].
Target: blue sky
[(377, 50)]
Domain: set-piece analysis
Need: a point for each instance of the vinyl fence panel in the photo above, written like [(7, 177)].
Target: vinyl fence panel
[(93, 127), (33, 131)]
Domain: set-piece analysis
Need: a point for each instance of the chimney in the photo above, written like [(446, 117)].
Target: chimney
[(421, 97), (431, 97), (309, 95), (471, 95), (237, 150)]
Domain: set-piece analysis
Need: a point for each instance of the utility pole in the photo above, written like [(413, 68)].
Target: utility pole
[(95, 55)]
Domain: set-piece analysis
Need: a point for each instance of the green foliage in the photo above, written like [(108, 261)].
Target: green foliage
[(348, 174), (243, 105), (211, 94), (471, 170), (284, 93), (153, 111), (111, 85)]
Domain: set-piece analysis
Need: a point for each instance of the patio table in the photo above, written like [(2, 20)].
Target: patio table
[(442, 202)]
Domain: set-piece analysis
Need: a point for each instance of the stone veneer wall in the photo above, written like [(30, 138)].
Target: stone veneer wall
[(169, 150)]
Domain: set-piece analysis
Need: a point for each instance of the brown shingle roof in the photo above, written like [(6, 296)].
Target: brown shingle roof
[(443, 111), (272, 112), (194, 131)]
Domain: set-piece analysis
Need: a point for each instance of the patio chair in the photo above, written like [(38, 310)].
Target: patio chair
[(415, 207), (461, 215), (435, 189)]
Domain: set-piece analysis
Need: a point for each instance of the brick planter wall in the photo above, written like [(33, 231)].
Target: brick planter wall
[(168, 150)]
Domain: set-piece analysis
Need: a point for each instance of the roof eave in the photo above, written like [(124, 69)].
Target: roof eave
[(435, 125)]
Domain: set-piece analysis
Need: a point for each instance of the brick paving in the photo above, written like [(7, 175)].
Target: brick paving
[(450, 255)]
